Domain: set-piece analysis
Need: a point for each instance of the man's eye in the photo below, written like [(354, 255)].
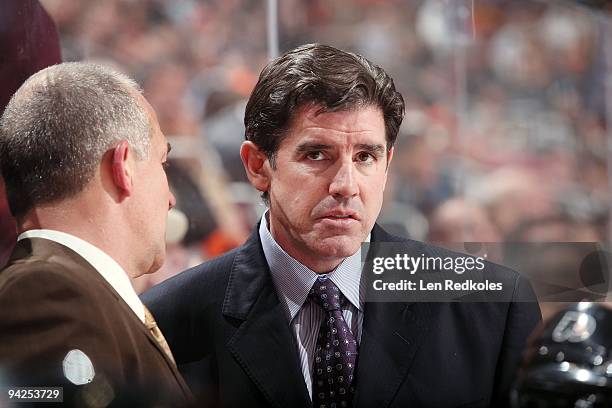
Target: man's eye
[(165, 165), (317, 156), (365, 157)]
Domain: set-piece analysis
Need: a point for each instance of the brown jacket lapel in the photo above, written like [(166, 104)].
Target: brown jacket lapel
[(39, 249)]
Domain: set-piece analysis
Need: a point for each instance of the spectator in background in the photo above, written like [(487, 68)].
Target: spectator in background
[(28, 43), (458, 220), (514, 194), (495, 84)]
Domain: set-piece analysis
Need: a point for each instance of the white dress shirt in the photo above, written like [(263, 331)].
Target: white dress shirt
[(293, 281), (101, 262)]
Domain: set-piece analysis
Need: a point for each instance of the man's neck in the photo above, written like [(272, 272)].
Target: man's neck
[(88, 227)]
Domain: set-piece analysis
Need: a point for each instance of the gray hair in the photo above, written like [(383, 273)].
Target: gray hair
[(59, 124)]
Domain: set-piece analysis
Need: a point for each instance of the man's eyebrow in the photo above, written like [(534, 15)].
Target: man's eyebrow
[(377, 149), (310, 146), (374, 148)]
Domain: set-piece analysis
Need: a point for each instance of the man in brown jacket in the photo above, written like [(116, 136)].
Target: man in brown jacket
[(83, 158)]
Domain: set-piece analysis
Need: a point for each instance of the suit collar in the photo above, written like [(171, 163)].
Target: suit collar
[(47, 250), (248, 276), (380, 235), (263, 343), (102, 262)]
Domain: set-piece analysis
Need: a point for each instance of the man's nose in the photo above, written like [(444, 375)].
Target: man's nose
[(344, 183)]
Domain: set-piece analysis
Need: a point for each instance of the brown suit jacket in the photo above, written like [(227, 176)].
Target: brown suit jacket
[(53, 301)]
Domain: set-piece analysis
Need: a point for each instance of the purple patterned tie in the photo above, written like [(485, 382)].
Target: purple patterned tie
[(335, 351)]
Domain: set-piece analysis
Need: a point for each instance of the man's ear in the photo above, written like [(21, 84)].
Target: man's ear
[(122, 171), (389, 157), (254, 161)]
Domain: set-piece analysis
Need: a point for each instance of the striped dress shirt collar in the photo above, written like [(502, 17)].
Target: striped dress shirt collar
[(293, 280)]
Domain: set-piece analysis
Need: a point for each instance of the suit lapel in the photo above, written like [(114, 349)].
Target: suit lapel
[(392, 335), (263, 345)]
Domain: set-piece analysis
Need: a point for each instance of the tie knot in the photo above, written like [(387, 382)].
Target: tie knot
[(326, 294)]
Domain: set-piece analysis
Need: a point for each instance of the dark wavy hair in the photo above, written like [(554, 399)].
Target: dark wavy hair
[(322, 75)]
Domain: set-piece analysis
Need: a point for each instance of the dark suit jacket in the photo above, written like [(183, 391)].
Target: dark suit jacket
[(231, 338), (53, 301)]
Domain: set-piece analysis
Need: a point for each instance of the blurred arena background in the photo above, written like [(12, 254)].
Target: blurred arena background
[(507, 133)]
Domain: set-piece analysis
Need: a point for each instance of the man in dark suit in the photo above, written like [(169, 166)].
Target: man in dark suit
[(282, 321), (83, 158)]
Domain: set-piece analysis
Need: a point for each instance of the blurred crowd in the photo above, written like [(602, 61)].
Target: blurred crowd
[(504, 139)]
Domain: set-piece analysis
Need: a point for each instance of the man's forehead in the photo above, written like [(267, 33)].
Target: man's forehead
[(363, 124), (317, 113)]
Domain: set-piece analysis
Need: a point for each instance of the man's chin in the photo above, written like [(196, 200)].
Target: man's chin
[(337, 247)]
